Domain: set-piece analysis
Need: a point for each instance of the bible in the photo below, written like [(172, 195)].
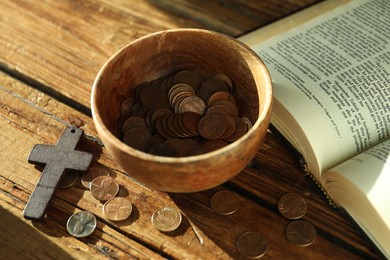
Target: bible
[(330, 69)]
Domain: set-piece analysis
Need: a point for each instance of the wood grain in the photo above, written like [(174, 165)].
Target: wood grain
[(63, 52), (258, 188), (56, 49)]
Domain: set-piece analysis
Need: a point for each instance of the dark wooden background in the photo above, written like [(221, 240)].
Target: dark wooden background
[(50, 53)]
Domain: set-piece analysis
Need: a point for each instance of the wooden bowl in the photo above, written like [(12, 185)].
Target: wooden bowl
[(161, 54)]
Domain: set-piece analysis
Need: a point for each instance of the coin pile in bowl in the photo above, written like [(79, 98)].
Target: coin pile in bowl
[(185, 114), (142, 80)]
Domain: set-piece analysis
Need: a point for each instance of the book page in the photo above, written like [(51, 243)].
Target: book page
[(361, 186), (332, 75)]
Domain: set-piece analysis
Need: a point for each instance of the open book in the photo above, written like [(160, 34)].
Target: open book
[(330, 68)]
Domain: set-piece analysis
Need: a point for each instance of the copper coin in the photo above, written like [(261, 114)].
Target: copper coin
[(301, 233), (192, 104), (166, 219), (252, 245), (117, 209), (212, 126), (179, 99), (247, 122), (157, 113), (224, 106), (226, 79), (156, 139), (211, 86), (81, 224), (160, 125), (212, 145), (126, 105), (134, 121), (188, 77), (162, 149), (191, 147), (178, 90), (220, 95), (292, 206), (230, 127), (137, 138), (239, 131), (190, 122), (68, 179), (177, 145), (104, 188), (225, 202), (91, 174)]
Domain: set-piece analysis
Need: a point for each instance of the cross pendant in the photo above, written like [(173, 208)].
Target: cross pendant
[(57, 159)]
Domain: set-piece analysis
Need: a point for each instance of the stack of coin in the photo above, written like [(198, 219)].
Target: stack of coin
[(105, 188), (299, 232), (195, 107)]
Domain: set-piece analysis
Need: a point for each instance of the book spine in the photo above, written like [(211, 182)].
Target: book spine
[(318, 185)]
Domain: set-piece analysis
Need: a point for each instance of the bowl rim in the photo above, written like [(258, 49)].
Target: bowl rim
[(102, 129)]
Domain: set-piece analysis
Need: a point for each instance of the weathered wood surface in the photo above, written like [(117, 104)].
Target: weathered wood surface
[(56, 48)]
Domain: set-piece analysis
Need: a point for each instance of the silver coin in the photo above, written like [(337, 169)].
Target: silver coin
[(81, 224)]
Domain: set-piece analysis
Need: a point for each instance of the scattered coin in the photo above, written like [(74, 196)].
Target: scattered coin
[(252, 245), (292, 206), (68, 179), (166, 219), (225, 202), (81, 224), (91, 174), (301, 233), (117, 209), (104, 188)]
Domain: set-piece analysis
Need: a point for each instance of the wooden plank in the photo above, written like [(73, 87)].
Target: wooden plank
[(24, 124), (62, 53), (232, 17)]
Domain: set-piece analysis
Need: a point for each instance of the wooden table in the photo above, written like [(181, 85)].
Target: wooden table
[(50, 53)]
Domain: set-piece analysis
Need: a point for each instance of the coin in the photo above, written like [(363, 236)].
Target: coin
[(212, 126), (225, 202), (192, 104), (137, 138), (188, 77), (211, 86), (126, 105), (132, 122), (301, 233), (81, 224), (68, 179), (212, 145), (292, 206), (188, 104), (166, 219), (104, 188), (252, 245), (117, 209), (92, 173)]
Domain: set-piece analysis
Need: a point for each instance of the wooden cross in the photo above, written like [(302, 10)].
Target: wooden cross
[(57, 159)]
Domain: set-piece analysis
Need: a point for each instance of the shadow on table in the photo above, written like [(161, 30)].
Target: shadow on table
[(19, 240), (222, 230)]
